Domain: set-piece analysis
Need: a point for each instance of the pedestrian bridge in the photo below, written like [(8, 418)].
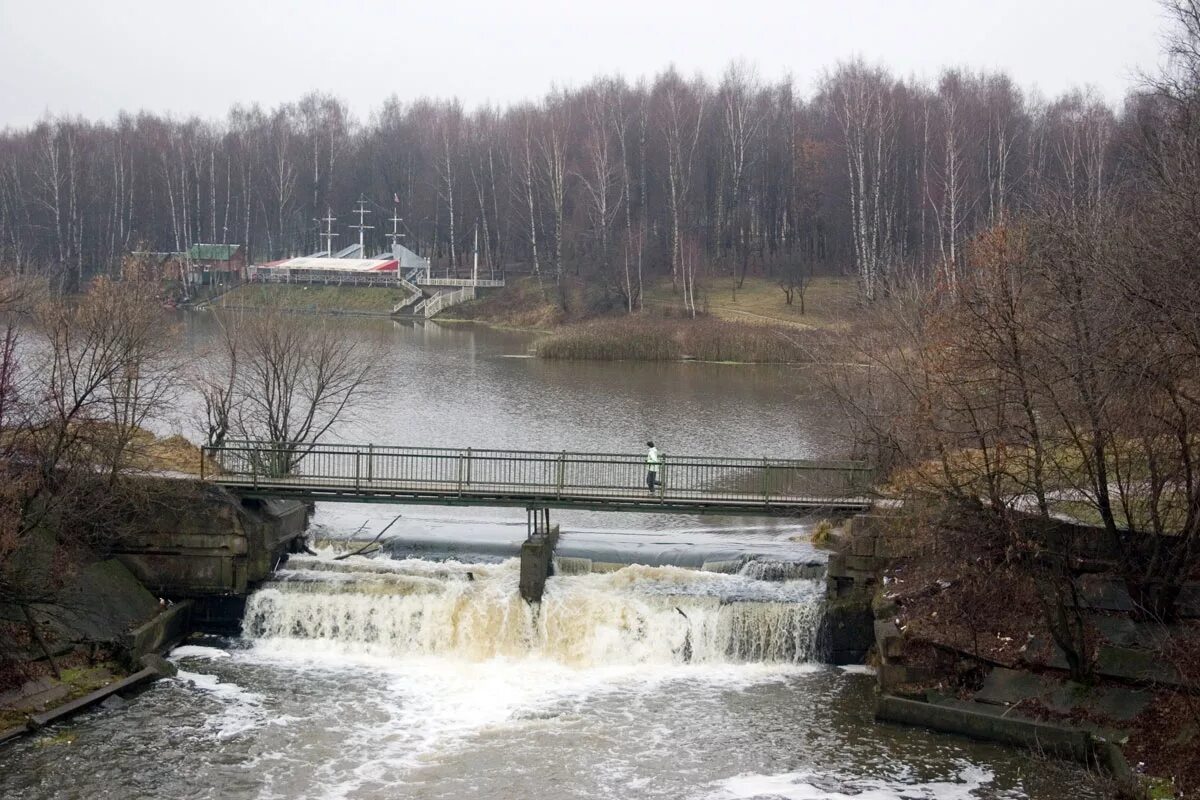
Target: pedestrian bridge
[(371, 473)]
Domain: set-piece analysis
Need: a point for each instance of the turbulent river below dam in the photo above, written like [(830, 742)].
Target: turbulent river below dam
[(689, 667)]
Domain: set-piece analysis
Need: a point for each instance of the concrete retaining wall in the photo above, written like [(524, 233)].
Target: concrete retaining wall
[(1041, 737), (168, 628), (153, 668), (1060, 741), (211, 543), (852, 579)]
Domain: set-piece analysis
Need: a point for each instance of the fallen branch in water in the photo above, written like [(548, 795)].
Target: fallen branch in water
[(362, 549)]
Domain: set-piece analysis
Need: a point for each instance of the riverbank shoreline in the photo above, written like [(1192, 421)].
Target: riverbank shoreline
[(752, 326), (638, 337), (187, 556), (1006, 681)]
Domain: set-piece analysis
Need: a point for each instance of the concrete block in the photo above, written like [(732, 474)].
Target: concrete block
[(104, 600), (208, 542), (889, 548), (1136, 665), (865, 524), (1010, 686), (888, 640), (38, 721), (168, 627), (884, 607), (1114, 702), (183, 575), (847, 630), (35, 696), (980, 724), (862, 545), (1105, 593), (894, 677), (869, 564), (163, 668), (537, 559)]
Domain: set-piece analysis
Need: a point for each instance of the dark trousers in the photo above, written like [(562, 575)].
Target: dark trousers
[(651, 479)]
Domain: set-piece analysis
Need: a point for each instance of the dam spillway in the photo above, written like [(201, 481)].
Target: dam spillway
[(634, 615)]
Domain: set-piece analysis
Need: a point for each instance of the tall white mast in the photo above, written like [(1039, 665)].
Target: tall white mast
[(360, 227), (395, 236), (328, 233)]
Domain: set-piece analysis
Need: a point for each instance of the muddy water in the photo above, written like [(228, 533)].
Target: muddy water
[(402, 677), (411, 679)]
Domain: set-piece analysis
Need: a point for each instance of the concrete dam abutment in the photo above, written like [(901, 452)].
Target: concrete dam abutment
[(210, 547)]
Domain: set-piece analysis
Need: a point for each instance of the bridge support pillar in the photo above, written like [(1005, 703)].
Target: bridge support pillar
[(537, 555)]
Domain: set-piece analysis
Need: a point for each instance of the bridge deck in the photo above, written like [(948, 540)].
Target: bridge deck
[(610, 482)]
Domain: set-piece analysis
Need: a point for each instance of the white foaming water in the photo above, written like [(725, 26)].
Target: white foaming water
[(472, 612), (197, 651), (381, 678), (812, 786), (241, 710), (444, 656)]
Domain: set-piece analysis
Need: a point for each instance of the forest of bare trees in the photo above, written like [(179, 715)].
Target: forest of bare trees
[(1050, 366), (620, 183)]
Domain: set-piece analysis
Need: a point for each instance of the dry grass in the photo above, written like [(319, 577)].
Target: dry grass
[(146, 452), (172, 454), (523, 303), (829, 302), (328, 299), (149, 453), (79, 672), (822, 535)]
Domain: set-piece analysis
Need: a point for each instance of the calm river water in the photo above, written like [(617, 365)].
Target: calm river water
[(401, 677)]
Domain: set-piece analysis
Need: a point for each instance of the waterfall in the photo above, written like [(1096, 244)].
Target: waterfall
[(634, 615)]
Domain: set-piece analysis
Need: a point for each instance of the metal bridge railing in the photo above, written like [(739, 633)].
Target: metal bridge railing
[(544, 474)]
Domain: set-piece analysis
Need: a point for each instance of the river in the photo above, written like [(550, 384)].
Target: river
[(693, 673)]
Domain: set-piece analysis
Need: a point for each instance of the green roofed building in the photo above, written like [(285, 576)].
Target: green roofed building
[(208, 264)]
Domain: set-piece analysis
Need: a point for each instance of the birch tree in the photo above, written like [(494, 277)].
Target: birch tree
[(862, 105), (681, 119), (741, 119)]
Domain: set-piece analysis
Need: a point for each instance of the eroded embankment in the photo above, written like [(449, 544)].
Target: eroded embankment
[(78, 617), (966, 646)]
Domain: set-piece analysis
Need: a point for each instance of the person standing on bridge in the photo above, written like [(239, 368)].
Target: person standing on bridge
[(653, 462)]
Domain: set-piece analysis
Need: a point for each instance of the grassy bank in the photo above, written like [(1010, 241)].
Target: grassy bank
[(753, 324), (175, 453), (523, 303), (645, 338), (79, 675), (323, 299), (828, 302)]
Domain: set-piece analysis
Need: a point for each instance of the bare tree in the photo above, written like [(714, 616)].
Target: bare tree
[(681, 121), (741, 118), (862, 104), (289, 382), (794, 279)]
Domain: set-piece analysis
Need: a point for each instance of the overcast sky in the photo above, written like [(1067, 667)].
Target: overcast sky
[(98, 57)]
